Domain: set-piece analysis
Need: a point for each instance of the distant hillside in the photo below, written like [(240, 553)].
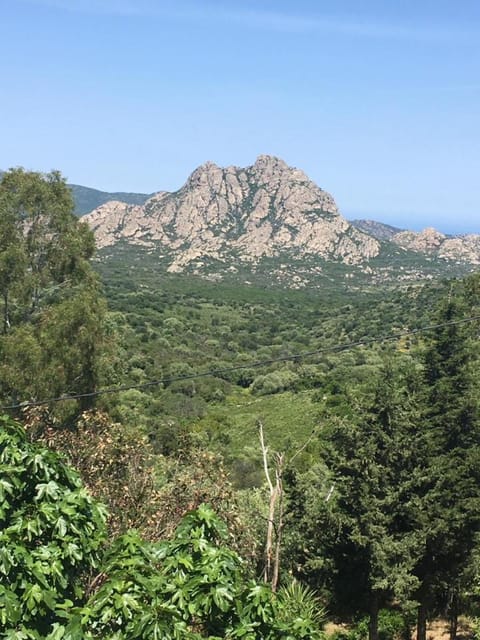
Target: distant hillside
[(378, 230), (87, 199)]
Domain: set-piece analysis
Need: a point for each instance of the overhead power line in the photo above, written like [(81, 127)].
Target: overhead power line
[(252, 365)]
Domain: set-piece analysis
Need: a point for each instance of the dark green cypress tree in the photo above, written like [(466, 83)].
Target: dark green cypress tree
[(449, 490), (365, 531)]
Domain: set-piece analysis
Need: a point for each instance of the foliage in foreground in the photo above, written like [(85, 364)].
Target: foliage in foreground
[(190, 587), (51, 532)]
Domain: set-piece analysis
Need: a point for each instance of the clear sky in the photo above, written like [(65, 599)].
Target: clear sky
[(378, 101)]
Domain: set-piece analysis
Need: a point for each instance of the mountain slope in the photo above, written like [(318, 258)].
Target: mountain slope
[(260, 211), (378, 230), (87, 199), (464, 248)]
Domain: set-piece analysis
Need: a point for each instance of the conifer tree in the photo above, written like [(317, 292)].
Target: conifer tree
[(370, 459), (449, 493)]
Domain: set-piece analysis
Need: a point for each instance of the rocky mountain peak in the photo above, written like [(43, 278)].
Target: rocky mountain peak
[(203, 174), (270, 164), (264, 210), (270, 169)]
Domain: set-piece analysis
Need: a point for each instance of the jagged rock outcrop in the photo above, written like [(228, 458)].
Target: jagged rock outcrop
[(250, 213), (465, 248), (427, 241)]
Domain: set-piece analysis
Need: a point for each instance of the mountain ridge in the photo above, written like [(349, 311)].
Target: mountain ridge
[(378, 230), (267, 217), (87, 199), (253, 212), (226, 217)]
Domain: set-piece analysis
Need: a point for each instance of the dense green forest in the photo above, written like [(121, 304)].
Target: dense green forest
[(183, 458)]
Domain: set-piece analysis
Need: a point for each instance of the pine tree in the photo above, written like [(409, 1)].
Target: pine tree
[(366, 534), (449, 492)]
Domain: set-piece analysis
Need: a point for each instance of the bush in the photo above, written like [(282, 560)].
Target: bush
[(51, 533), (274, 382), (189, 588), (391, 626)]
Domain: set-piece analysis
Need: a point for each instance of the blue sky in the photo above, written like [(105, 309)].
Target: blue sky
[(378, 101)]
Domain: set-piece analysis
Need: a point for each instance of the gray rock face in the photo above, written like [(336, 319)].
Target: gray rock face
[(253, 212), (378, 230), (461, 249)]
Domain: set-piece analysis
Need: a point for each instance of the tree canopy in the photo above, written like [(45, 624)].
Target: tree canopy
[(52, 309), (403, 517)]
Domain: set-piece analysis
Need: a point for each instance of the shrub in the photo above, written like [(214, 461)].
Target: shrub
[(189, 588), (274, 382), (51, 533)]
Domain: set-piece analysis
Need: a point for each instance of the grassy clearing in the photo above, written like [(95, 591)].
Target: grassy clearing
[(288, 418)]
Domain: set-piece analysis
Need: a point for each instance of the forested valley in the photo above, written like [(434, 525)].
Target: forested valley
[(182, 458)]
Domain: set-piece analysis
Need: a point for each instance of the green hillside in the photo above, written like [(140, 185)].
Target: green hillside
[(87, 199)]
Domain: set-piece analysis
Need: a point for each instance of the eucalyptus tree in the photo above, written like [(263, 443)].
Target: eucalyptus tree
[(12, 256), (52, 307)]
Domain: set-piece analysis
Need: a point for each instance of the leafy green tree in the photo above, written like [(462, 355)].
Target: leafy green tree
[(12, 256), (52, 307), (51, 533), (56, 244)]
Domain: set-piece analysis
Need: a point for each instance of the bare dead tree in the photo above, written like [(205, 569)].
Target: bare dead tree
[(279, 463), (267, 572), (275, 522)]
